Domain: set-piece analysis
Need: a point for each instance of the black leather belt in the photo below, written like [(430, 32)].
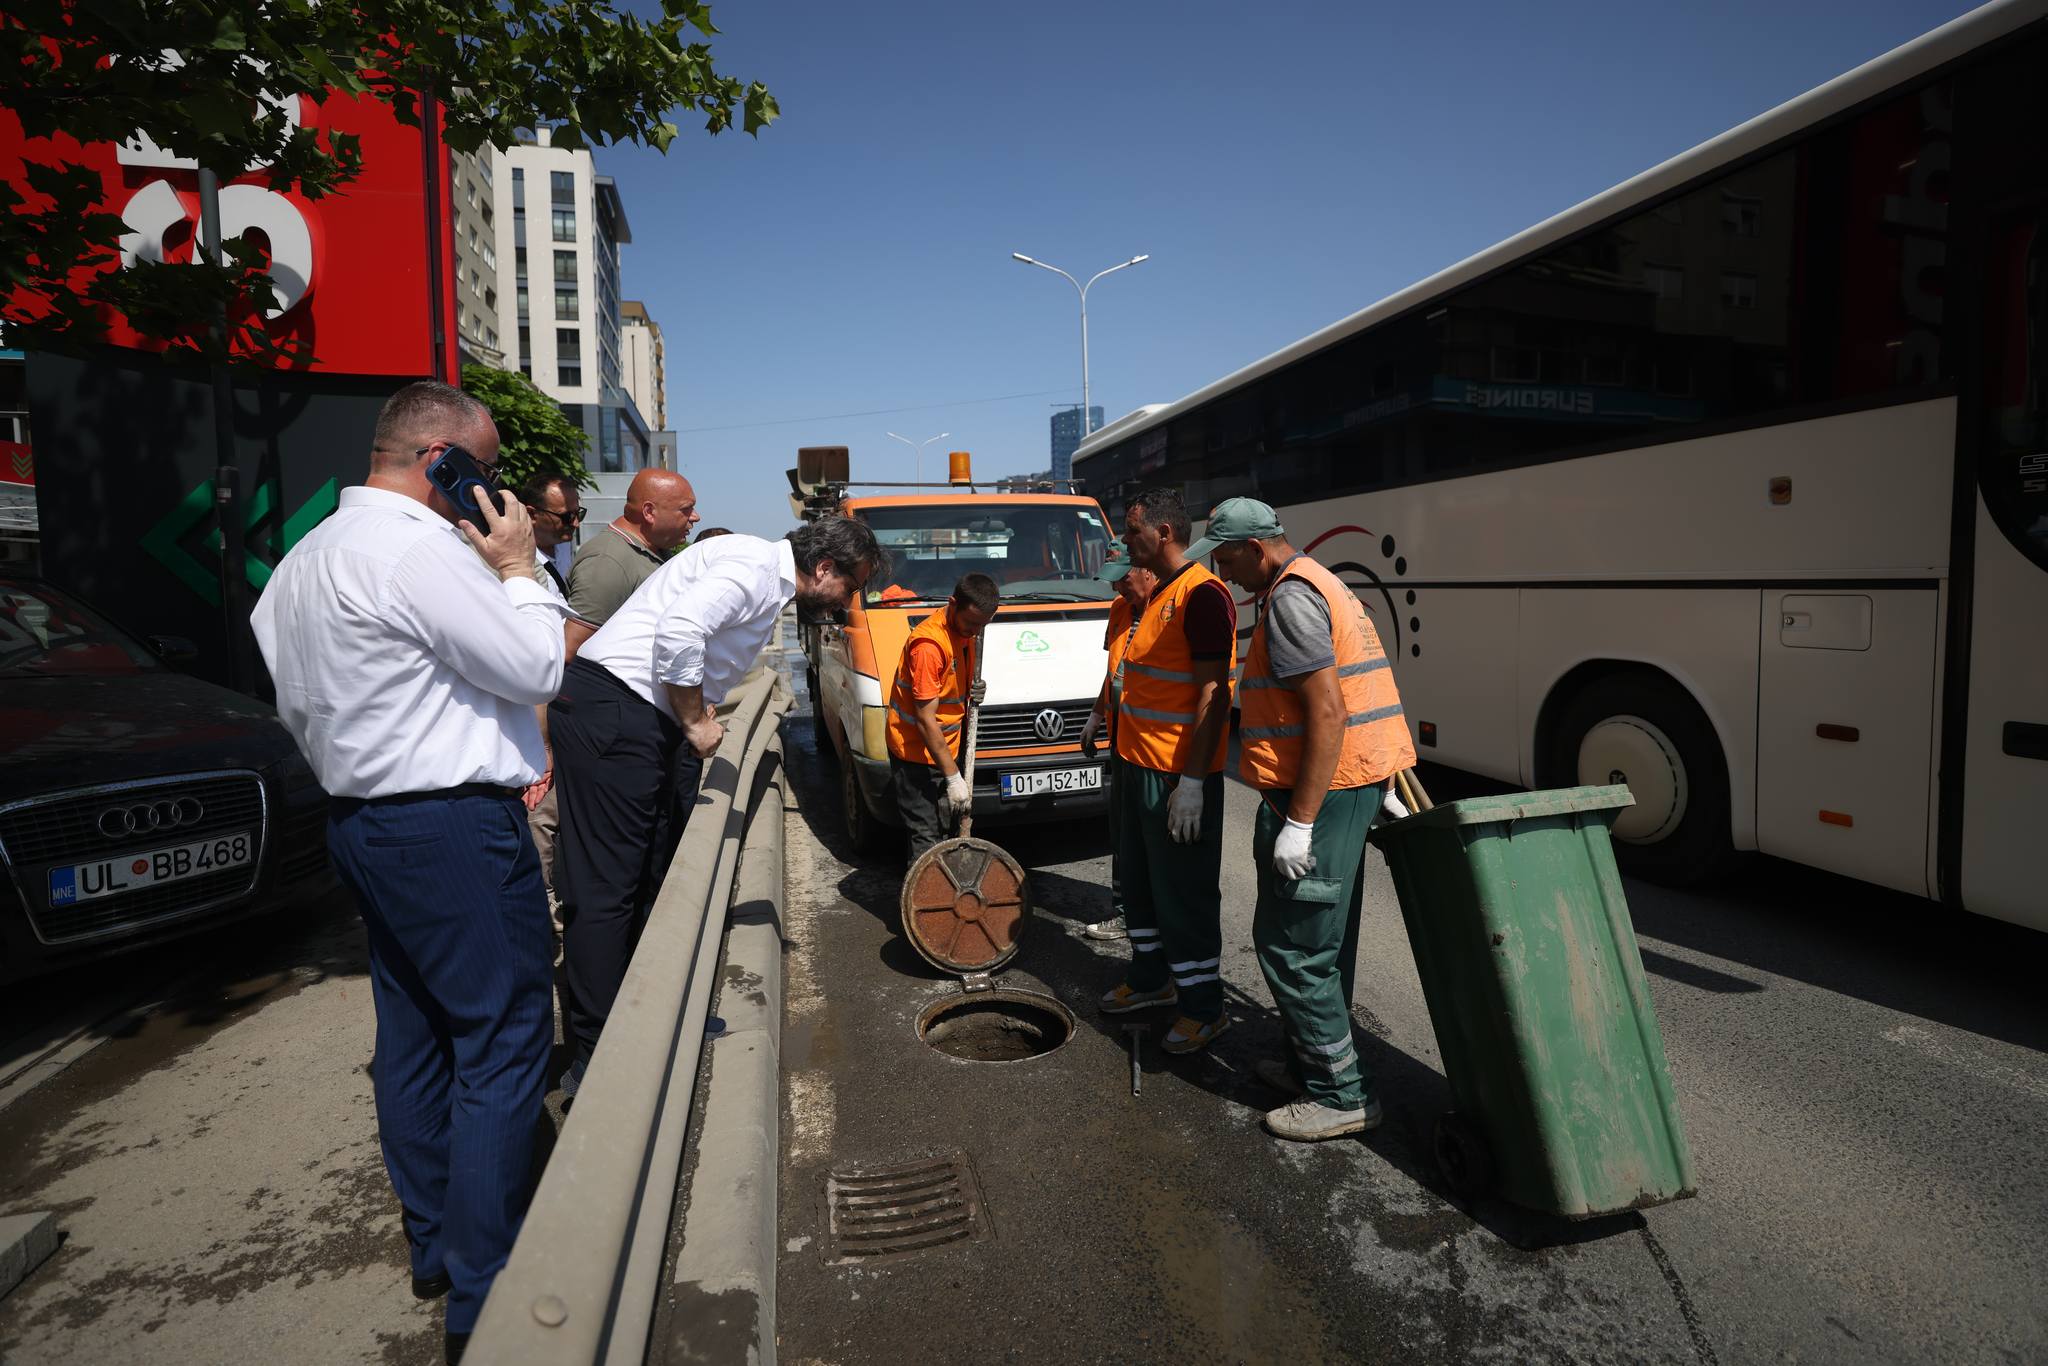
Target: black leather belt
[(492, 790)]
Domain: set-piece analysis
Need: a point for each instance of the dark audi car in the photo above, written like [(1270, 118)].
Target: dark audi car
[(136, 804)]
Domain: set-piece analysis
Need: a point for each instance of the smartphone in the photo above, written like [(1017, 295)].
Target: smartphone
[(458, 475)]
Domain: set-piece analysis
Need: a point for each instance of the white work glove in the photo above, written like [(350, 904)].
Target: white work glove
[(1184, 811), (1291, 856), (977, 691), (1089, 733), (958, 797), (1391, 810)]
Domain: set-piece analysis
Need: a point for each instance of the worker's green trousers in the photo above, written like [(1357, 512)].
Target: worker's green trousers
[(1306, 934), (1173, 901)]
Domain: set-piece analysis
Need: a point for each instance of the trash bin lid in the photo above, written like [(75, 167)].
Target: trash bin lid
[(1519, 806), (965, 904)]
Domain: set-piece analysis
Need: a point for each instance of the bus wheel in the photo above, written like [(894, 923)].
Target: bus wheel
[(1643, 730), (866, 834)]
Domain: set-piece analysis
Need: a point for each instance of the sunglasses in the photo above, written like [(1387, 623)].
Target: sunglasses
[(571, 518)]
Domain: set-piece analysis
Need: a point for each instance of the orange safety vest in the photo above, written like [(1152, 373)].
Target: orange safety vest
[(1271, 730), (1156, 716), (1119, 631), (906, 741)]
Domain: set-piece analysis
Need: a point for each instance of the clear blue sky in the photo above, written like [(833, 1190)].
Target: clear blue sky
[(1284, 165)]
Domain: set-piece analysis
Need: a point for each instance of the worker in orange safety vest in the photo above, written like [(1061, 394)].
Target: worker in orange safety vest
[(1133, 589), (1320, 735), (927, 709), (1172, 733)]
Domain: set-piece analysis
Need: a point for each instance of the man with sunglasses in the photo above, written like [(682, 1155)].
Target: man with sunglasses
[(557, 510)]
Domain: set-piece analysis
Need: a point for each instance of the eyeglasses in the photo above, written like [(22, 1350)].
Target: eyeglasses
[(487, 466), (570, 518)]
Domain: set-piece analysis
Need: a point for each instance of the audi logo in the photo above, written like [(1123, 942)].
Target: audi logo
[(117, 822), (1049, 724)]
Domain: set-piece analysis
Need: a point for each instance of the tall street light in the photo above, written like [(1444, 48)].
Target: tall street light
[(917, 447), (1082, 290)]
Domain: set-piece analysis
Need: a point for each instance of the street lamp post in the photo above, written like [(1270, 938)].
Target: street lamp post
[(1082, 290), (917, 447)]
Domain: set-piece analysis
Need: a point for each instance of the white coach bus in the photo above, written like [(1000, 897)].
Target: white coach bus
[(1731, 483)]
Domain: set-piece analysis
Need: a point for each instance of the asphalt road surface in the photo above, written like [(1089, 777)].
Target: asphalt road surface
[(1862, 1078)]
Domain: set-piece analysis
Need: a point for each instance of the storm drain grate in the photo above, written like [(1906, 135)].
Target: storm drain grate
[(881, 1214)]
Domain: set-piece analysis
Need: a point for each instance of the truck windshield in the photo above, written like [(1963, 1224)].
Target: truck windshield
[(1044, 552)]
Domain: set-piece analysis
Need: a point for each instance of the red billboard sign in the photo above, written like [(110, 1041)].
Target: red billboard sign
[(364, 276)]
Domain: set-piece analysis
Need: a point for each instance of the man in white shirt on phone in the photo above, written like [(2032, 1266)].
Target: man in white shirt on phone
[(410, 649)]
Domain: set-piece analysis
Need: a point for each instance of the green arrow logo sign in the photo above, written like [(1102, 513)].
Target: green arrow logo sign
[(166, 540), (1032, 643)]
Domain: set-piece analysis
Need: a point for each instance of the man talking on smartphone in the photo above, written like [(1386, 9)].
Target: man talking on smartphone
[(408, 665)]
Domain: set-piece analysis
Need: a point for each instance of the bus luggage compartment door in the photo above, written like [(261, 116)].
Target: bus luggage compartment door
[(1845, 732)]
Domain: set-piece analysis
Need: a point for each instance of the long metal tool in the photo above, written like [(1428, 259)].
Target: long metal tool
[(965, 900), (1136, 1034)]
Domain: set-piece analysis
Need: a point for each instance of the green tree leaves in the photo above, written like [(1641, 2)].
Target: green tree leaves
[(590, 70), (533, 435)]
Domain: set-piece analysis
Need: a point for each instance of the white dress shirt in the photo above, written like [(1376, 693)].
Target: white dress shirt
[(700, 619), (402, 664)]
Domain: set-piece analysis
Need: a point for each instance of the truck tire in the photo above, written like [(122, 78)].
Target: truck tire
[(864, 832), (819, 726), (1640, 728)]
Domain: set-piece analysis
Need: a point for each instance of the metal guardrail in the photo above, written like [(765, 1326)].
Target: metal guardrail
[(583, 1279)]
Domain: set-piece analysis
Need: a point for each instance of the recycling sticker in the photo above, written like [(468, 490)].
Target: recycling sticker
[(1032, 643)]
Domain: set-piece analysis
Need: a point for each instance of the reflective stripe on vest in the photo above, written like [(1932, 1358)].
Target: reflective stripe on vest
[(906, 741), (1376, 743), (1156, 715)]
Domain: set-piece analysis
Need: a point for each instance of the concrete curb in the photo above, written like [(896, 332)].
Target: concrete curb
[(724, 1289), (26, 1240)]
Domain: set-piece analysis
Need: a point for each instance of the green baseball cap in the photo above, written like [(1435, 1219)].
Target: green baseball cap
[(1117, 565), (1237, 519)]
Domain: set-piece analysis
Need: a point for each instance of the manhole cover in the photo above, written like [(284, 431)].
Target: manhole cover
[(880, 1214)]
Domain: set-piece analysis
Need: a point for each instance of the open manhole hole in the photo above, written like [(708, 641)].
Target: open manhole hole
[(881, 1214), (995, 1025)]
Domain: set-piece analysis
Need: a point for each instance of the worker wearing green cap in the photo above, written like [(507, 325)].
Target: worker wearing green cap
[(1321, 735)]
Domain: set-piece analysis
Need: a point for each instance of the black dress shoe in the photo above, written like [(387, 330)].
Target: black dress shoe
[(453, 1346), (431, 1287)]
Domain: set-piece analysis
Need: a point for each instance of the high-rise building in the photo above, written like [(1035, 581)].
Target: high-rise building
[(473, 209), (1066, 435), (561, 278), (641, 355)]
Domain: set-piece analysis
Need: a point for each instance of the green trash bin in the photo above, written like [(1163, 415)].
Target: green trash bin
[(1528, 959)]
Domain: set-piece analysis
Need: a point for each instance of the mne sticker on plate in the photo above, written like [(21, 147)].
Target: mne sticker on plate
[(1051, 780), (130, 872)]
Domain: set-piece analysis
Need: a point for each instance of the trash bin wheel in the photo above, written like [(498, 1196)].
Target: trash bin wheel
[(1462, 1156)]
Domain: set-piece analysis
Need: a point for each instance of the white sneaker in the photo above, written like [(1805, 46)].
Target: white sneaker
[(1311, 1121), (1112, 928)]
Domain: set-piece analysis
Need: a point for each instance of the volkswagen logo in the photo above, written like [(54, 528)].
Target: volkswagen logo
[(1049, 724), (118, 822)]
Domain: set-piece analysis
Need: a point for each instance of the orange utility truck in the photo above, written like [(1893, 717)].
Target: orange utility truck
[(1044, 658)]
